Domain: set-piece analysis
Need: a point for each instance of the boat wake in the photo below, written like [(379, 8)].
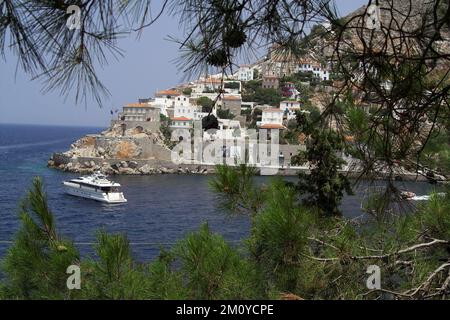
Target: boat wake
[(31, 144)]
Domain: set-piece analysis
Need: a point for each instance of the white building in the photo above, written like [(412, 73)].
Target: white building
[(198, 115), (315, 68), (272, 119), (139, 112), (181, 123), (209, 85), (244, 73), (185, 110), (228, 130), (289, 107), (164, 100)]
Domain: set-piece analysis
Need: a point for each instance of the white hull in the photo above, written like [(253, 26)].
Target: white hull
[(90, 193)]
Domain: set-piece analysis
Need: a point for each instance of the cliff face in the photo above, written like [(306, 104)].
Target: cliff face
[(114, 151)]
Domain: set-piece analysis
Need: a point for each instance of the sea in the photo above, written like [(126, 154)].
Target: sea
[(161, 209)]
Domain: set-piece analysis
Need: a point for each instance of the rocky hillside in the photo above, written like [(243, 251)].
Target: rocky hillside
[(401, 26), (114, 151)]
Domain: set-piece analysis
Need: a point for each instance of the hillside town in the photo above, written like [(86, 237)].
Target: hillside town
[(249, 116), (256, 98)]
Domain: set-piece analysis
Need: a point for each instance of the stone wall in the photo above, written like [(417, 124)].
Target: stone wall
[(289, 151), (147, 125)]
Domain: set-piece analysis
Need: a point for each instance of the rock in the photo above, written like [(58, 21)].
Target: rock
[(123, 164), (106, 168), (205, 171), (51, 163), (133, 164), (92, 164), (127, 171), (101, 151), (163, 170), (180, 170), (146, 169), (125, 150)]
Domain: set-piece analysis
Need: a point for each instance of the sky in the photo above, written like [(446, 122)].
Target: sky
[(148, 65)]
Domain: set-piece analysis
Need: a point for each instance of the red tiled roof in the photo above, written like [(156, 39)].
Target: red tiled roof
[(168, 93), (231, 98), (181, 119), (272, 126), (211, 80), (137, 105)]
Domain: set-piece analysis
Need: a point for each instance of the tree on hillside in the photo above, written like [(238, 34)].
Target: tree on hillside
[(225, 114), (206, 103), (324, 186)]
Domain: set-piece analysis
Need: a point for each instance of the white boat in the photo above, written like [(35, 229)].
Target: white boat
[(95, 187)]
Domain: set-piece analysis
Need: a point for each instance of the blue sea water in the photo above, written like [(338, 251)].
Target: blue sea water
[(161, 209)]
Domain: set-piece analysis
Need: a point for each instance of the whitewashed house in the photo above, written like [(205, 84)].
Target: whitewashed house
[(206, 86), (165, 99), (312, 66), (185, 109), (181, 123), (271, 119), (289, 108), (244, 73)]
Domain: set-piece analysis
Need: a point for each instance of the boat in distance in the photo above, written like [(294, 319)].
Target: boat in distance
[(96, 187)]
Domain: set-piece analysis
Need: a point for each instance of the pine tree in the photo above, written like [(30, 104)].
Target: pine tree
[(36, 264)]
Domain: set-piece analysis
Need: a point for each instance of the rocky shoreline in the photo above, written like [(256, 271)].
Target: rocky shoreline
[(141, 151), (124, 167), (118, 150)]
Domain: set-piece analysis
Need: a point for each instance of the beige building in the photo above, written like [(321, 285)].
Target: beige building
[(270, 82), (232, 103)]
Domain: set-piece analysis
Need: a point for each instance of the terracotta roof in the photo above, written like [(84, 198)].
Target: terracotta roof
[(211, 80), (272, 110), (137, 105), (181, 119), (231, 98), (168, 93), (272, 126)]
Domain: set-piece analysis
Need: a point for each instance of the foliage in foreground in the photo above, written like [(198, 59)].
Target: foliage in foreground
[(292, 251)]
